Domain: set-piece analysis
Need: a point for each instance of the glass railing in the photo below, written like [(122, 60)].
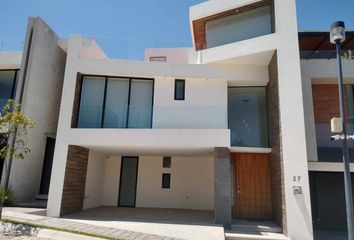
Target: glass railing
[(326, 54), (173, 117), (11, 46), (132, 49), (330, 150)]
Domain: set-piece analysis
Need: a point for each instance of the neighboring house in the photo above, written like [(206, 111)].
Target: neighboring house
[(320, 93), (232, 125), (34, 78)]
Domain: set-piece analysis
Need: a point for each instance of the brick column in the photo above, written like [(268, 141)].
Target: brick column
[(222, 187), (276, 158), (74, 181)]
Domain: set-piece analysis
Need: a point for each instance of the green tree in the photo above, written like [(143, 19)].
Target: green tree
[(14, 126)]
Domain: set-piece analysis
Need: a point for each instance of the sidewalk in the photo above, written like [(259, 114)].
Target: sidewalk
[(79, 228)]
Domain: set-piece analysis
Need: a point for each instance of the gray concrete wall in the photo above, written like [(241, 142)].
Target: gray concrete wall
[(222, 187), (42, 70)]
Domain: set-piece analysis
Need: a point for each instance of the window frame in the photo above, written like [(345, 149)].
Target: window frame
[(15, 79), (105, 96), (184, 90), (168, 186), (168, 164), (163, 58), (267, 113)]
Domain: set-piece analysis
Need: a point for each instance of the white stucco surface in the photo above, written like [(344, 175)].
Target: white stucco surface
[(10, 60), (192, 183)]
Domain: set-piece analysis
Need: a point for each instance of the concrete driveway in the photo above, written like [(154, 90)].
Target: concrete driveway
[(182, 224)]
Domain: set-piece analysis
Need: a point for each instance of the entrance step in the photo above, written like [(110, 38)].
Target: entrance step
[(32, 204), (41, 197), (254, 236), (244, 225)]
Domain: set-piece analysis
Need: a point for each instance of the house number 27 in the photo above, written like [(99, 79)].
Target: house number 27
[(296, 178)]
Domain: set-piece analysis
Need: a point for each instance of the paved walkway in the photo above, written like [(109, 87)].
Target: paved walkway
[(105, 232)]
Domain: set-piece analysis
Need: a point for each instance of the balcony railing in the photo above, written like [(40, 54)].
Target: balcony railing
[(173, 117)]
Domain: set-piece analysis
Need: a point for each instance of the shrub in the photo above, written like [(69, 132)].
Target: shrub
[(8, 196)]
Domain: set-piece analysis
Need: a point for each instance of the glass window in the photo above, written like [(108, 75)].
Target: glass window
[(247, 116), (113, 102), (238, 27), (166, 180), (326, 106), (91, 103), (179, 89), (166, 162), (140, 103), (7, 86), (116, 108)]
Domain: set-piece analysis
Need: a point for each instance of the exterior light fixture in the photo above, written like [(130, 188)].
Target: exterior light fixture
[(337, 33), (337, 36)]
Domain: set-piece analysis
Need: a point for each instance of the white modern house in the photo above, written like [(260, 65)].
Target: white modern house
[(234, 125)]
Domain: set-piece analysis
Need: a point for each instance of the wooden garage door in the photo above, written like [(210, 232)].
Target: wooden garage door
[(252, 198)]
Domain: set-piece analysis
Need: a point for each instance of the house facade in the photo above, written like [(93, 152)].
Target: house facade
[(237, 125)]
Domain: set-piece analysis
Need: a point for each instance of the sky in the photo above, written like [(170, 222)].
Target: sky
[(124, 27)]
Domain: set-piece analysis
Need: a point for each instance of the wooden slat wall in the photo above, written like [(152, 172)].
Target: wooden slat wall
[(252, 186), (326, 102)]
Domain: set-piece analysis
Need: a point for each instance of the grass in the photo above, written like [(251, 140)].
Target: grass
[(58, 229)]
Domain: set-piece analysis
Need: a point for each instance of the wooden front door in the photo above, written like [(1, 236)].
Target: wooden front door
[(252, 197)]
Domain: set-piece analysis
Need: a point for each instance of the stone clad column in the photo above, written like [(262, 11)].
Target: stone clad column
[(222, 187)]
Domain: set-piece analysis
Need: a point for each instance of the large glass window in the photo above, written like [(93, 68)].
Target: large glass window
[(116, 109), (91, 105), (247, 116), (326, 106), (7, 85), (112, 102), (238, 27), (140, 104)]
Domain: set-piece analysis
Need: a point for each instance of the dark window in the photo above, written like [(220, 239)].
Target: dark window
[(166, 180), (179, 89), (166, 162), (158, 59), (113, 102), (8, 79)]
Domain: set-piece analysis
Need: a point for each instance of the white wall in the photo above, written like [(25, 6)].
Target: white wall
[(293, 141), (111, 181), (102, 180), (10, 60), (205, 104), (94, 179), (173, 55), (192, 183)]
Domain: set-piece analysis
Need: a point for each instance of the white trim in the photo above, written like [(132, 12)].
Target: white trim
[(328, 166), (250, 149)]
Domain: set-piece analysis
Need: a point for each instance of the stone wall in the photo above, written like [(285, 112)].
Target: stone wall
[(276, 158), (74, 181)]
